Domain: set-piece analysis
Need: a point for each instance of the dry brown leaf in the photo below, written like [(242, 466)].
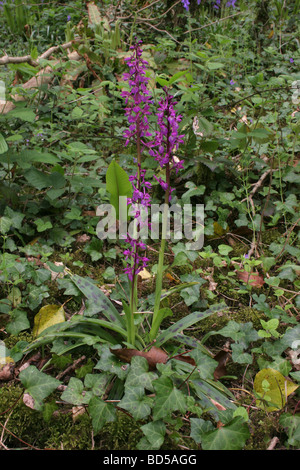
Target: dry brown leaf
[(77, 411), (217, 405), (28, 401), (154, 355), (187, 359), (83, 238), (254, 279), (7, 371)]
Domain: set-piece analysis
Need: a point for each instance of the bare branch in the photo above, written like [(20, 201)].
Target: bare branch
[(27, 58)]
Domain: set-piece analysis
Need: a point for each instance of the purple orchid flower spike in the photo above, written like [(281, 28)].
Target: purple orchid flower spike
[(167, 140), (138, 100)]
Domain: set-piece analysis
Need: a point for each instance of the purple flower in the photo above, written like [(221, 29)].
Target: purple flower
[(232, 82), (291, 60), (186, 4), (167, 138), (231, 3), (138, 100), (69, 18), (217, 4)]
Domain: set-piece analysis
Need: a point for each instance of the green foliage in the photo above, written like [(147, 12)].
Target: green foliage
[(59, 147)]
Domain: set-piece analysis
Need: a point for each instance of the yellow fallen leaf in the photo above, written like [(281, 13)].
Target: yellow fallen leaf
[(47, 316), (144, 274), (274, 388)]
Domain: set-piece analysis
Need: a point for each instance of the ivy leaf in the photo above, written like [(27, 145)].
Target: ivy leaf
[(291, 424), (109, 362), (239, 356), (205, 363), (18, 322), (101, 413), (74, 393), (37, 384), (232, 436), (155, 433), (241, 332), (139, 374), (168, 398), (291, 337), (199, 427), (136, 402)]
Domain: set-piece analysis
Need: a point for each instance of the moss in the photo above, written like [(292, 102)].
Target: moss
[(69, 435), (267, 238), (214, 322), (263, 427), (21, 421), (60, 431), (239, 249), (248, 314), (234, 298), (122, 434), (12, 340)]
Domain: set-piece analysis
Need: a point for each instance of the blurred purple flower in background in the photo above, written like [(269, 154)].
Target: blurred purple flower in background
[(186, 4), (231, 3), (217, 4)]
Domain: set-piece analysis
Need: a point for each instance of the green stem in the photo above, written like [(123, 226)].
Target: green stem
[(156, 320), (133, 290)]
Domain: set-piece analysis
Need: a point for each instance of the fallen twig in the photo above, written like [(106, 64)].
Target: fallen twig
[(6, 59), (273, 443), (70, 368)]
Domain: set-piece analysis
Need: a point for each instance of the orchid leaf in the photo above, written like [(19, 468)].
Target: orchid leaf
[(186, 322)]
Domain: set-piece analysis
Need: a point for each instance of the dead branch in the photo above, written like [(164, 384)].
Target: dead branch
[(43, 76), (6, 59)]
